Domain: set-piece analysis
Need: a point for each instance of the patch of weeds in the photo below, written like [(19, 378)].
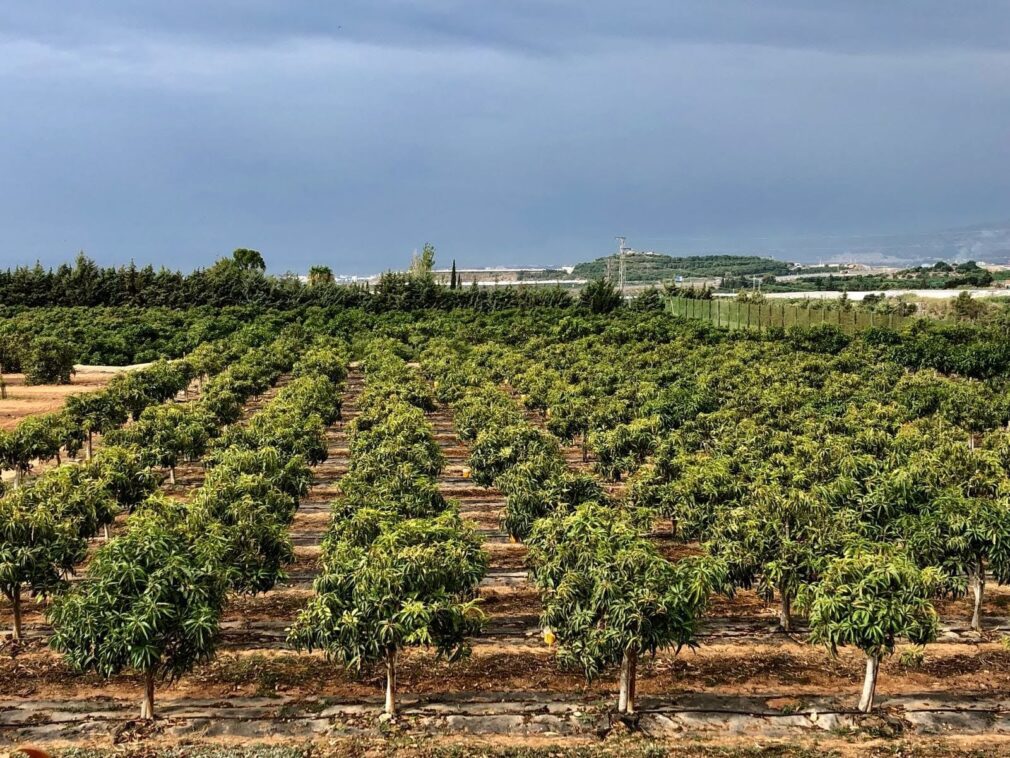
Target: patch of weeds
[(912, 657)]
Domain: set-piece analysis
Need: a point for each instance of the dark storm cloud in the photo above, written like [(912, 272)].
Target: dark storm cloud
[(503, 131)]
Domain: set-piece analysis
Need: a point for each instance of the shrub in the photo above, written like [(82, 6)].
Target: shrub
[(48, 360)]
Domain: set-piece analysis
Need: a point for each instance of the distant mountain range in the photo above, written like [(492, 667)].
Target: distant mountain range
[(989, 243)]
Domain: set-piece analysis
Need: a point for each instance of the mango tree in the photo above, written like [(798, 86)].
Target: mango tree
[(622, 449), (34, 438), (94, 412), (567, 417), (73, 494), (869, 599), (964, 537), (122, 473), (779, 540), (413, 586), (147, 603), (38, 547), (609, 596), (496, 449), (241, 524), (169, 433)]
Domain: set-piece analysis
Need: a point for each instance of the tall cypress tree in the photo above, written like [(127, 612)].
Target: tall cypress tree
[(452, 276)]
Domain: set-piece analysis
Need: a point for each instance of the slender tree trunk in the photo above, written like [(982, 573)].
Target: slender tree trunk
[(89, 446), (585, 447), (633, 682), (869, 684), (785, 612), (629, 666), (17, 477), (59, 459), (978, 588), (147, 705), (16, 603), (171, 475), (105, 530), (391, 682)]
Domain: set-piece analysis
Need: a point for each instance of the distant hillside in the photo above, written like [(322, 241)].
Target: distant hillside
[(651, 267), (984, 242)]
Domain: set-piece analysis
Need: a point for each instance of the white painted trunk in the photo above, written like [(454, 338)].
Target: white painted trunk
[(869, 684), (391, 683), (626, 698)]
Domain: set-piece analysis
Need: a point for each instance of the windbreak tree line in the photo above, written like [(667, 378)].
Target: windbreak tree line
[(400, 568), (240, 281)]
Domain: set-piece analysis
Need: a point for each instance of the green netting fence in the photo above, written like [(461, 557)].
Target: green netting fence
[(730, 313)]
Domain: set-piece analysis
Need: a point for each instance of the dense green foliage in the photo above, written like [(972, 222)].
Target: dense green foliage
[(654, 267), (941, 275), (808, 465)]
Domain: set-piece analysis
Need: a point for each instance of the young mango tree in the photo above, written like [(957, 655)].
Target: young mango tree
[(870, 598), (963, 536), (778, 541), (94, 412), (71, 493), (169, 433), (147, 603), (34, 438), (414, 586), (610, 597), (121, 471), (38, 547)]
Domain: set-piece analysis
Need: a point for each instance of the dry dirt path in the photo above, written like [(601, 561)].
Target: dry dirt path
[(509, 600)]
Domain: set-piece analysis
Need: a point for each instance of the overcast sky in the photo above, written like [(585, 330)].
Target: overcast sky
[(503, 131)]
